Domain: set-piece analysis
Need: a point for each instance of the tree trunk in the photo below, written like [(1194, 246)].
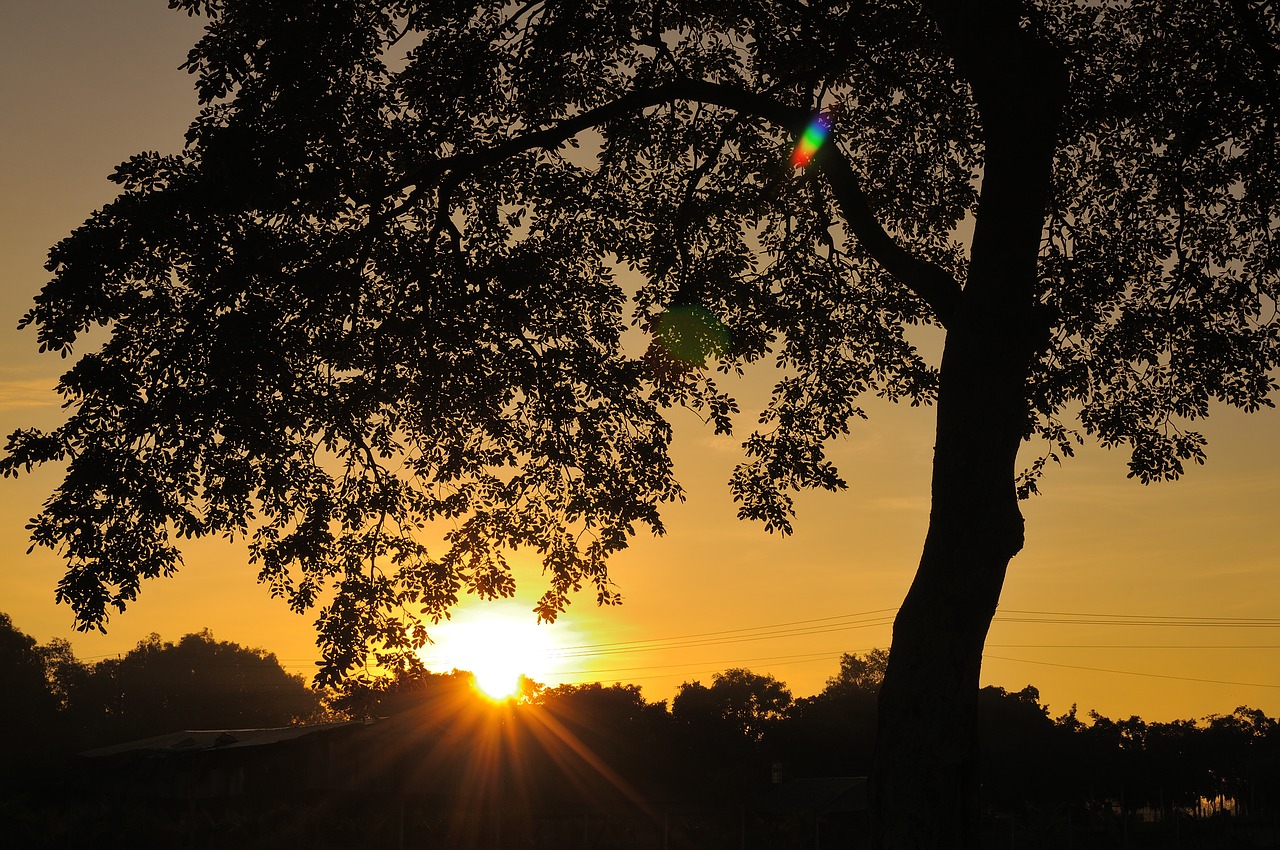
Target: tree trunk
[(924, 787)]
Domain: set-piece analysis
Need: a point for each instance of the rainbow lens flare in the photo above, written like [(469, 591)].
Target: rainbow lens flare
[(811, 140)]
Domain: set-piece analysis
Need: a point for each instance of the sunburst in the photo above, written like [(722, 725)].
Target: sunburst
[(497, 645)]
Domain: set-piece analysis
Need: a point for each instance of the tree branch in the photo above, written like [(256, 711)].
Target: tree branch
[(930, 282)]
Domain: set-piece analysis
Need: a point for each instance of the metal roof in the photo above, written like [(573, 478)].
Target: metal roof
[(193, 740)]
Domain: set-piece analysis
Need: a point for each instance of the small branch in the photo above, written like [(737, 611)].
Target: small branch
[(930, 282)]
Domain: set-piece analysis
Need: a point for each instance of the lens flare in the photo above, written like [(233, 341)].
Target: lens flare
[(691, 334), (811, 140)]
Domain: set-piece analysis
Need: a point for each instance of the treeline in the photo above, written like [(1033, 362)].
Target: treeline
[(65, 705), (742, 730)]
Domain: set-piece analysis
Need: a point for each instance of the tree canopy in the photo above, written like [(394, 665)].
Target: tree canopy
[(67, 705), (747, 702), (196, 683), (29, 702), (379, 287)]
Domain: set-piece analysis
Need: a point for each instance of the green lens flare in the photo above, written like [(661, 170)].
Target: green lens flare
[(691, 334)]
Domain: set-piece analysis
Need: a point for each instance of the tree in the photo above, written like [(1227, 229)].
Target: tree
[(749, 703), (375, 293), (196, 683), (29, 703), (616, 726), (407, 688), (1016, 746), (859, 672), (66, 674), (833, 733)]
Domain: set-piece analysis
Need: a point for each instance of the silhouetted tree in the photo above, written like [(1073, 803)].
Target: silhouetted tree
[(615, 724), (371, 293), (1245, 746), (1176, 773), (1016, 748), (727, 732), (196, 683), (859, 672), (407, 688), (616, 708), (29, 707), (67, 675), (750, 703), (833, 732)]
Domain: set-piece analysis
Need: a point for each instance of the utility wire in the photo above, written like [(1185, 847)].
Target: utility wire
[(879, 617), (835, 654), (731, 631), (787, 659), (1256, 620), (1131, 672)]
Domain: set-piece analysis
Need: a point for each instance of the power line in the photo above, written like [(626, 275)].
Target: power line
[(825, 625), (1227, 620), (1172, 623), (732, 631), (609, 651), (1133, 646), (1130, 672), (673, 669), (788, 659), (880, 617)]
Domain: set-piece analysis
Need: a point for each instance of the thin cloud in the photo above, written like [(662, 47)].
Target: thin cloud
[(27, 392)]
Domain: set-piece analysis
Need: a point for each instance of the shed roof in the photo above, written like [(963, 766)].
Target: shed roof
[(193, 740)]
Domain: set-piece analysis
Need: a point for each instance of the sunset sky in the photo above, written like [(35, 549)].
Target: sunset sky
[(85, 83)]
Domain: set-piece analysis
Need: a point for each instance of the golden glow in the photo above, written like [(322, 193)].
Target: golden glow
[(497, 646)]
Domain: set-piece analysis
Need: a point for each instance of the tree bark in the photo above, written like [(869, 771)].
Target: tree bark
[(924, 785)]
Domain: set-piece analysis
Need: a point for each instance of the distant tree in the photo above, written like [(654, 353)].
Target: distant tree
[(1234, 756), (66, 674), (407, 688), (379, 291), (1177, 763), (859, 672), (1245, 747), (748, 702), (196, 683), (833, 733), (617, 725), (1017, 739), (596, 705), (29, 707)]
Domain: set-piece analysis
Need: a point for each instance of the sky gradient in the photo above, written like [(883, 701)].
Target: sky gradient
[(85, 84)]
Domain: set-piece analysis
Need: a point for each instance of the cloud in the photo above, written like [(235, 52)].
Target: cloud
[(27, 392), (912, 504)]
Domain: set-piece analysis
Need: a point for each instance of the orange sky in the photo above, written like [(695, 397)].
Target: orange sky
[(84, 84)]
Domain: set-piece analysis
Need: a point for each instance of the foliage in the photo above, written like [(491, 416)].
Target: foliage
[(66, 705), (196, 683), (379, 293), (625, 703), (402, 690), (749, 703), (859, 672), (28, 702), (66, 675)]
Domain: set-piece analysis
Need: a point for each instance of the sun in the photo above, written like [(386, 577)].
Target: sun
[(497, 647)]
